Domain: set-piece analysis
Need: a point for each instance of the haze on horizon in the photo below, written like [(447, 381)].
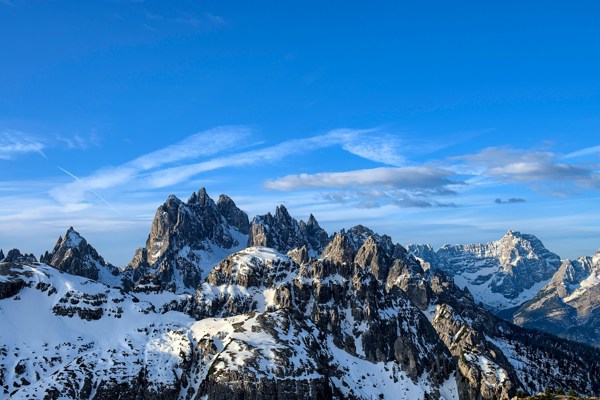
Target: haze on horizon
[(433, 123)]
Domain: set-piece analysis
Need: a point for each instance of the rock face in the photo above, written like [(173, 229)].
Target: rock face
[(569, 305), (74, 255), (186, 239), (15, 256), (502, 274), (496, 357), (365, 333), (284, 233)]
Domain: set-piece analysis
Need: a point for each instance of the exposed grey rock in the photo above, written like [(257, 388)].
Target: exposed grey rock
[(1, 255), (186, 240), (340, 250), (344, 301), (316, 237), (299, 255), (15, 256), (569, 305), (496, 358), (11, 281), (74, 255), (285, 233), (233, 215)]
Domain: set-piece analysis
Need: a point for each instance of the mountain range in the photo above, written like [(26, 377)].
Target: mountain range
[(219, 306)]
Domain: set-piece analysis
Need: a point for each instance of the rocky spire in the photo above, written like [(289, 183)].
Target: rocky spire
[(316, 237), (285, 233), (1, 255), (186, 239), (74, 255), (201, 199), (340, 250), (233, 215)]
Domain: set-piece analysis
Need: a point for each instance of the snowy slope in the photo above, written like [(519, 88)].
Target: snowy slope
[(569, 305), (501, 274)]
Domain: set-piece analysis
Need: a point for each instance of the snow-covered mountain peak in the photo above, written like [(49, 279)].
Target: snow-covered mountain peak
[(312, 221), (73, 238), (501, 274), (282, 214), (358, 235), (568, 305)]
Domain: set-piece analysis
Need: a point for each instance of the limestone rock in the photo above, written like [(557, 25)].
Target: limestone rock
[(284, 233), (74, 255), (186, 239)]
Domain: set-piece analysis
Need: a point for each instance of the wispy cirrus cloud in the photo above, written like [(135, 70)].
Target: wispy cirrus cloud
[(15, 143), (79, 142), (206, 143), (219, 148), (588, 151), (360, 142), (203, 20)]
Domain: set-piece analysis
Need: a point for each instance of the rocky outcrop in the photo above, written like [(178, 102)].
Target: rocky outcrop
[(11, 281), (15, 256), (344, 302), (74, 255), (284, 233), (235, 217), (340, 251), (495, 357), (569, 305), (502, 274), (186, 239)]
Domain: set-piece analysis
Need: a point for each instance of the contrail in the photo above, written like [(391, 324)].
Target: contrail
[(90, 189)]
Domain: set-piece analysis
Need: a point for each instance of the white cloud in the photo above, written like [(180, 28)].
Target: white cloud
[(511, 165), (422, 177), (14, 143), (373, 188)]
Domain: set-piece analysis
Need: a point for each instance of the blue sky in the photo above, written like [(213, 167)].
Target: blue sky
[(434, 122)]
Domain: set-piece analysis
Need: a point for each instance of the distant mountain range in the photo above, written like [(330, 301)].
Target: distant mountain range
[(219, 306)]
